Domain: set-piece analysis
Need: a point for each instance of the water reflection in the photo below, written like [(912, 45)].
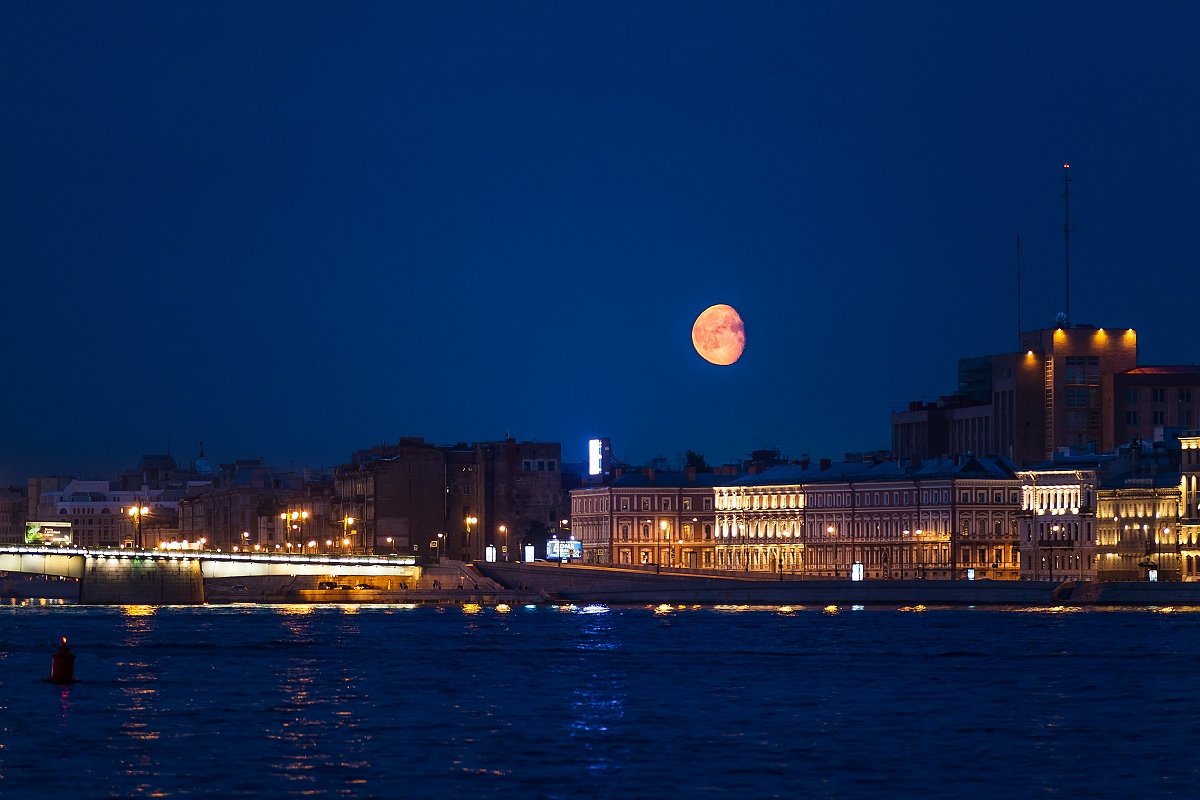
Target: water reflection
[(138, 697), (600, 693)]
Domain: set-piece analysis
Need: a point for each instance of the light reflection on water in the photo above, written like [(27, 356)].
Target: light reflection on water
[(596, 701)]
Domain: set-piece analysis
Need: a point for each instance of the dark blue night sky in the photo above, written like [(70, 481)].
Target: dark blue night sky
[(296, 229)]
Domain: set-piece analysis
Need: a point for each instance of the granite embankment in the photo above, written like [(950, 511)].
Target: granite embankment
[(577, 583)]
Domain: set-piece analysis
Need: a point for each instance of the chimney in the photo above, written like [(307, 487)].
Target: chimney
[(826, 463), (691, 474), (805, 461)]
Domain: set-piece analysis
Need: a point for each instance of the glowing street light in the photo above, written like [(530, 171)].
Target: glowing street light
[(137, 512), (471, 520)]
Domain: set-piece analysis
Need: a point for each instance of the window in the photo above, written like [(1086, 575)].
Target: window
[(624, 503), (1131, 418), (1185, 395), (687, 504), (645, 504), (1131, 395), (1158, 395), (707, 531), (708, 504), (666, 504), (526, 465), (1159, 417)]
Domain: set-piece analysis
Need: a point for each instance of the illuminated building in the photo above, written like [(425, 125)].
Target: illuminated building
[(1113, 517), (649, 517), (1057, 391), (1189, 505), (897, 519)]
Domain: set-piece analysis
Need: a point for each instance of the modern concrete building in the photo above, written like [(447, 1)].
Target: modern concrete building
[(1056, 391), (891, 519)]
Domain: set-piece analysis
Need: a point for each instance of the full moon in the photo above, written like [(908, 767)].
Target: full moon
[(719, 335)]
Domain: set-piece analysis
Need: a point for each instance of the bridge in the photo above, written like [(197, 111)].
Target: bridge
[(128, 576)]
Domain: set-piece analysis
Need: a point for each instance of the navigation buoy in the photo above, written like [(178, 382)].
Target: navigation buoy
[(62, 664)]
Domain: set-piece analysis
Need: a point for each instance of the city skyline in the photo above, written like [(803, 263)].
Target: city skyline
[(291, 235)]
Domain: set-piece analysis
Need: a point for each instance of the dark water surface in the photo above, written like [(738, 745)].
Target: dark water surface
[(388, 701)]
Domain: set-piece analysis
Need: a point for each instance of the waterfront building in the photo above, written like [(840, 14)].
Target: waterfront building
[(650, 516), (1189, 505), (247, 505), (452, 501), (1111, 517), (893, 519)]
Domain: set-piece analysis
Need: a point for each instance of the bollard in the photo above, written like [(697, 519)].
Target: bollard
[(62, 664)]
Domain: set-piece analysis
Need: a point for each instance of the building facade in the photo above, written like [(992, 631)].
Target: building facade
[(1056, 391), (14, 504), (1189, 505), (938, 519), (1112, 517), (649, 517), (454, 501)]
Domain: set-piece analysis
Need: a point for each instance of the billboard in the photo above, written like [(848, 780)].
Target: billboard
[(48, 533), (595, 463), (563, 549)]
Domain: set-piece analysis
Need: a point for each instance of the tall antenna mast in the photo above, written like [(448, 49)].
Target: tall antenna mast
[(1067, 243), (1018, 291)]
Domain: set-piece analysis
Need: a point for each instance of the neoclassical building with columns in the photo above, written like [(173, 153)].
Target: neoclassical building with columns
[(946, 518), (1120, 516)]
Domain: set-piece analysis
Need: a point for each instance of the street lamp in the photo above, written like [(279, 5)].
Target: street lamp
[(662, 526), (471, 520), (504, 533), (346, 523), (137, 512), (438, 547)]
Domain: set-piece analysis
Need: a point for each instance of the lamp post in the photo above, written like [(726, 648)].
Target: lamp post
[(662, 526), (137, 512), (437, 547), (466, 551), (504, 532), (346, 523)]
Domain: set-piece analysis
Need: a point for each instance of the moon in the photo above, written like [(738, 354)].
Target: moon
[(719, 335)]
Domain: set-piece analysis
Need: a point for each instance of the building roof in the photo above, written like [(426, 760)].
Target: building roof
[(1169, 369), (863, 471), (671, 480)]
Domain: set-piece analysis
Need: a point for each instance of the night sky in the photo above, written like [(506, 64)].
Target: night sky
[(295, 229)]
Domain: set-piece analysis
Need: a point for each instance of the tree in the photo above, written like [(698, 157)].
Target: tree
[(693, 459)]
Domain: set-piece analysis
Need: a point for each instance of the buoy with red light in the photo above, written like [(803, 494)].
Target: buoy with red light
[(62, 664)]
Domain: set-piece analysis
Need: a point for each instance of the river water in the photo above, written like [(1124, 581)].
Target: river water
[(396, 702)]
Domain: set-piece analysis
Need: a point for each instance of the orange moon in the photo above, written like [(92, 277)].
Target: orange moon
[(719, 335)]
